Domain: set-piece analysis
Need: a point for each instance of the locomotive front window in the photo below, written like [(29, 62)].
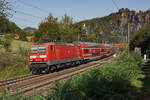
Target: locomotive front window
[(37, 49), (34, 49), (42, 49)]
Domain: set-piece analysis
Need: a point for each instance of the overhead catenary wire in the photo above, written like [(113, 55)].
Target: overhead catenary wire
[(115, 4), (24, 20), (33, 6), (27, 14)]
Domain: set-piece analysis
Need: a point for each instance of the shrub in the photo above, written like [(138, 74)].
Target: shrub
[(23, 51), (116, 81), (12, 66), (6, 42), (18, 96), (119, 80)]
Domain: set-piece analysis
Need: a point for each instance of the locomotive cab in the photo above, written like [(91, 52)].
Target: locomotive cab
[(37, 54), (38, 57)]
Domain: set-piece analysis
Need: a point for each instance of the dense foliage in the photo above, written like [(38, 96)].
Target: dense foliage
[(13, 58), (5, 43), (4, 8), (119, 80), (141, 39), (12, 66), (116, 81), (8, 27), (63, 31), (5, 25)]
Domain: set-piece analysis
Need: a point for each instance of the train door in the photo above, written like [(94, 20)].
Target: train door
[(52, 54)]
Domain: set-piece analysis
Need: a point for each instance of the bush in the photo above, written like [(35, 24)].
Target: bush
[(5, 58), (23, 51), (12, 66), (141, 39), (119, 80), (116, 81), (18, 96), (6, 43)]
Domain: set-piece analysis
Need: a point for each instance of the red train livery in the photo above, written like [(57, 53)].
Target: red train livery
[(48, 57)]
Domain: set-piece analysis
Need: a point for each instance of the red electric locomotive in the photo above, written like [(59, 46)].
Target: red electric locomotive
[(47, 57)]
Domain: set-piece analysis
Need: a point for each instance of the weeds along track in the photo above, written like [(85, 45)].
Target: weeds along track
[(17, 79), (31, 84), (6, 83)]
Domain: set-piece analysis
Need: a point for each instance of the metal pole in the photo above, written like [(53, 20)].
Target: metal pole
[(129, 36), (122, 35)]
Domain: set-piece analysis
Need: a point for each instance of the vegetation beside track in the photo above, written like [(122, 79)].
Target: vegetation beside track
[(145, 91), (12, 66), (14, 62), (123, 79), (119, 80)]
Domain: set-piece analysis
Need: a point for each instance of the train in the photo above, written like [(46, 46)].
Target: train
[(51, 56)]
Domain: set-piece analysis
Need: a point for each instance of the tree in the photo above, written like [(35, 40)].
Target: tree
[(5, 25), (80, 33), (4, 8), (48, 30), (61, 31), (66, 20), (66, 29), (97, 35), (22, 35), (6, 43), (141, 39)]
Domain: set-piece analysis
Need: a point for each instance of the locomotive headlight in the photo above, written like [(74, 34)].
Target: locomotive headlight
[(43, 56), (31, 57)]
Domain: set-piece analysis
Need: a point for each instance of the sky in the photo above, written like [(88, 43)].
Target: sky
[(31, 12)]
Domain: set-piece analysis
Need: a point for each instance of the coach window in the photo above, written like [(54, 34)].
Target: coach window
[(86, 51), (52, 48)]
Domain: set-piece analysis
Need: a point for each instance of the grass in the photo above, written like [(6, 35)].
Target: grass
[(120, 80), (14, 63), (14, 71), (17, 43), (12, 66), (145, 91)]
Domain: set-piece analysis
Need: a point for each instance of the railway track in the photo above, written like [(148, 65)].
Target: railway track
[(31, 84), (17, 79)]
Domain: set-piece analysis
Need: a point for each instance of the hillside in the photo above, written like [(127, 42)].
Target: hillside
[(29, 29), (14, 63), (7, 26), (114, 27)]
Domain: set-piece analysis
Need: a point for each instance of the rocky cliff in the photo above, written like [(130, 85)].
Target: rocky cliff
[(116, 26)]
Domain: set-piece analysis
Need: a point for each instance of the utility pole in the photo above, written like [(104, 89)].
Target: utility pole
[(122, 35), (128, 37), (128, 34)]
